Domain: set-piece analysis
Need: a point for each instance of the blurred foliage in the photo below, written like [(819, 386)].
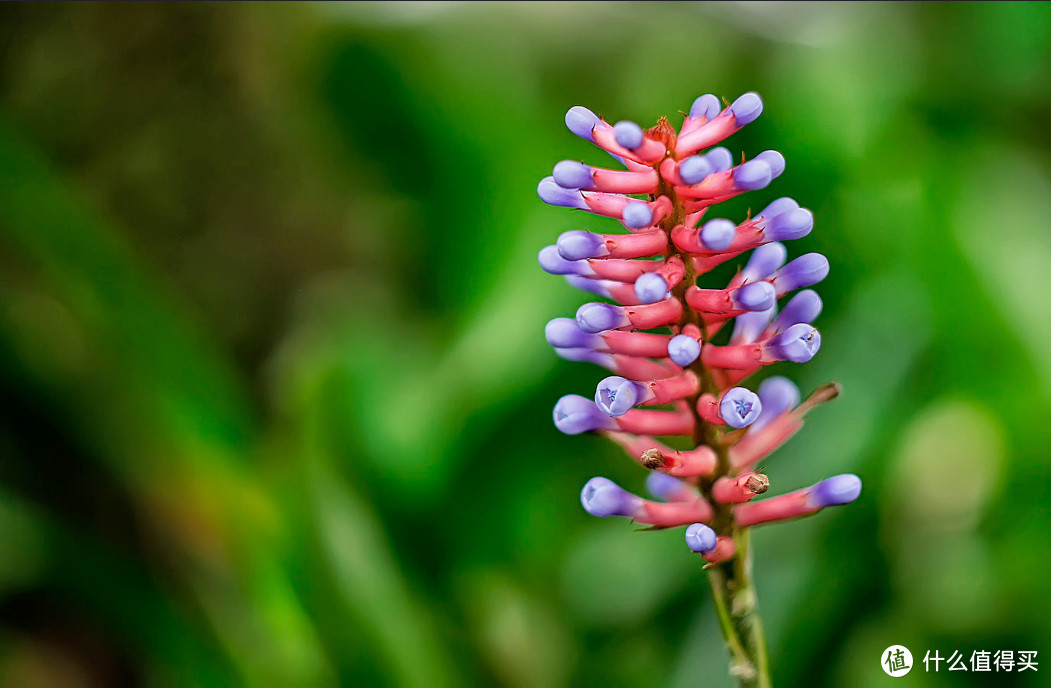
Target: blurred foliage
[(276, 399)]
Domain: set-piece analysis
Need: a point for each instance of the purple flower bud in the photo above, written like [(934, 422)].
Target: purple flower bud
[(764, 261), (553, 263), (553, 194), (834, 491), (775, 160), (746, 108), (700, 538), (616, 395), (576, 244), (707, 106), (781, 205), (585, 355), (574, 414), (573, 175), (602, 497), (740, 407), (662, 485), (581, 121), (791, 224), (777, 394), (683, 349), (757, 296), (650, 287), (637, 215), (752, 175), (599, 317), (694, 169), (628, 134), (801, 272), (717, 235), (566, 334), (798, 344), (804, 307), (748, 326), (721, 159)]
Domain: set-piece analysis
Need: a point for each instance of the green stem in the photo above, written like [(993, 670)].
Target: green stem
[(735, 605)]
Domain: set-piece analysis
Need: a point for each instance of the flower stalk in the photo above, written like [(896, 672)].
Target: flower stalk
[(677, 364)]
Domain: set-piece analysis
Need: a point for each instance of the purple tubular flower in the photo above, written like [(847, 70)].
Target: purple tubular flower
[(599, 317), (777, 394), (581, 121), (764, 261), (721, 159), (553, 263), (700, 538), (650, 288), (570, 174), (750, 176), (801, 272), (637, 215), (628, 134), (798, 344), (683, 349), (778, 207), (834, 491), (564, 333), (757, 296), (602, 497), (746, 108), (804, 307), (574, 414), (616, 395), (576, 244), (694, 169), (775, 160), (791, 224), (748, 326), (707, 106), (740, 407), (586, 356), (717, 235), (553, 194), (663, 486)]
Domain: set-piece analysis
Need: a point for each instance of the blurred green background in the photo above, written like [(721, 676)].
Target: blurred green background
[(276, 396)]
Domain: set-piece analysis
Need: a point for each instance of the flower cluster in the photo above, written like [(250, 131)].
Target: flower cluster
[(678, 352)]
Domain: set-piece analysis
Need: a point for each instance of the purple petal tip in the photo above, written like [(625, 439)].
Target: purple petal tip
[(798, 343), (694, 169), (570, 174), (717, 235), (794, 223), (721, 159), (757, 296), (576, 244), (573, 414), (564, 333), (637, 215), (707, 106), (662, 485), (599, 317), (581, 121), (602, 497), (752, 175), (835, 491), (700, 538), (740, 407), (553, 194), (747, 108), (650, 288), (628, 134), (616, 395), (683, 349)]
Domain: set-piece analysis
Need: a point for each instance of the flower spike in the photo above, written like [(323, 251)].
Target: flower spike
[(655, 331)]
